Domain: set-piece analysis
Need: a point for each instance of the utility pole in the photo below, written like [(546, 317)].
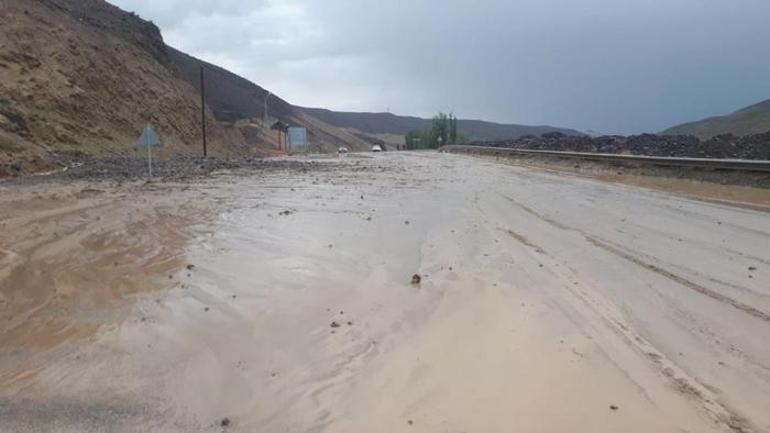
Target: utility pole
[(203, 112), (264, 113)]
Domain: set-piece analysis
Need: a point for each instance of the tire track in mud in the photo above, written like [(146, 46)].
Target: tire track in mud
[(523, 240), (689, 387), (628, 256), (620, 252)]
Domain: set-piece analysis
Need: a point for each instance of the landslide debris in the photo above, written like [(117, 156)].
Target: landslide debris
[(723, 146)]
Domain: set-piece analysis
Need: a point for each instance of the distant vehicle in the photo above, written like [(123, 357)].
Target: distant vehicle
[(342, 149), (376, 148)]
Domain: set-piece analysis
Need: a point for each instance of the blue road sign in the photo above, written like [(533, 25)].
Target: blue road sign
[(149, 137)]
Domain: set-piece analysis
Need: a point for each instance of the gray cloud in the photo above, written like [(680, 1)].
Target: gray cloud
[(612, 65)]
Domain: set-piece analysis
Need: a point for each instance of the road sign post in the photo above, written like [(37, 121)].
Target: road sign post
[(149, 138), (149, 160)]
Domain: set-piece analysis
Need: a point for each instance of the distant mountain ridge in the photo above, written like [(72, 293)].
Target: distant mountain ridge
[(388, 123), (754, 119)]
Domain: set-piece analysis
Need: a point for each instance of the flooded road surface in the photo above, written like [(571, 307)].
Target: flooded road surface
[(284, 303)]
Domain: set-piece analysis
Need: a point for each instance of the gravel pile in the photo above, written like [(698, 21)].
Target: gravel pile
[(723, 146), (134, 168)]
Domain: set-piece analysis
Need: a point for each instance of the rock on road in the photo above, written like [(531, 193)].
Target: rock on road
[(546, 303)]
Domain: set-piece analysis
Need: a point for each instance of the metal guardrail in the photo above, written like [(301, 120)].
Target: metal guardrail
[(714, 163)]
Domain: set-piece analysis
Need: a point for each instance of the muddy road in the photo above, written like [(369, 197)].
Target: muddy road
[(281, 301)]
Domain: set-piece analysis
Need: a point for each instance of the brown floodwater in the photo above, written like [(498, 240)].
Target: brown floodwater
[(283, 301)]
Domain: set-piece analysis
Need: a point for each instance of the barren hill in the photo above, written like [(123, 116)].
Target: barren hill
[(83, 76), (233, 98), (754, 119), (387, 123), (70, 85)]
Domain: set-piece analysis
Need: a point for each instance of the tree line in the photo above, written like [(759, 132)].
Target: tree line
[(442, 131)]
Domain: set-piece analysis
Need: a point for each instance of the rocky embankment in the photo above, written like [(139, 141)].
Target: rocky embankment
[(723, 146), (118, 168)]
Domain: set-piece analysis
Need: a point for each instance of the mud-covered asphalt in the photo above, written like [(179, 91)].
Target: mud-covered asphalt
[(282, 301)]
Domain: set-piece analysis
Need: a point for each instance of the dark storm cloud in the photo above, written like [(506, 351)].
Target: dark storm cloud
[(610, 65)]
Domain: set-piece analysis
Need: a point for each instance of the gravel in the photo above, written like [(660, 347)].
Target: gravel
[(112, 168), (756, 147)]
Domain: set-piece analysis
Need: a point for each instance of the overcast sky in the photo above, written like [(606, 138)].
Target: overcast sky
[(615, 66)]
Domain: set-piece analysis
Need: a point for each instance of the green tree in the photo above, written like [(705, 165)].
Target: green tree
[(442, 131)]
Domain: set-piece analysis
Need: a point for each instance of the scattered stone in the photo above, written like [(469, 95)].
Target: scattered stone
[(225, 422), (190, 267), (410, 422), (406, 222), (206, 309), (752, 268), (614, 407), (416, 279), (350, 323), (335, 325), (285, 213), (126, 168), (723, 146)]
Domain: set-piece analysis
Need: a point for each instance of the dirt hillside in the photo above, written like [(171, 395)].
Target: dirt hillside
[(233, 99), (83, 76)]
